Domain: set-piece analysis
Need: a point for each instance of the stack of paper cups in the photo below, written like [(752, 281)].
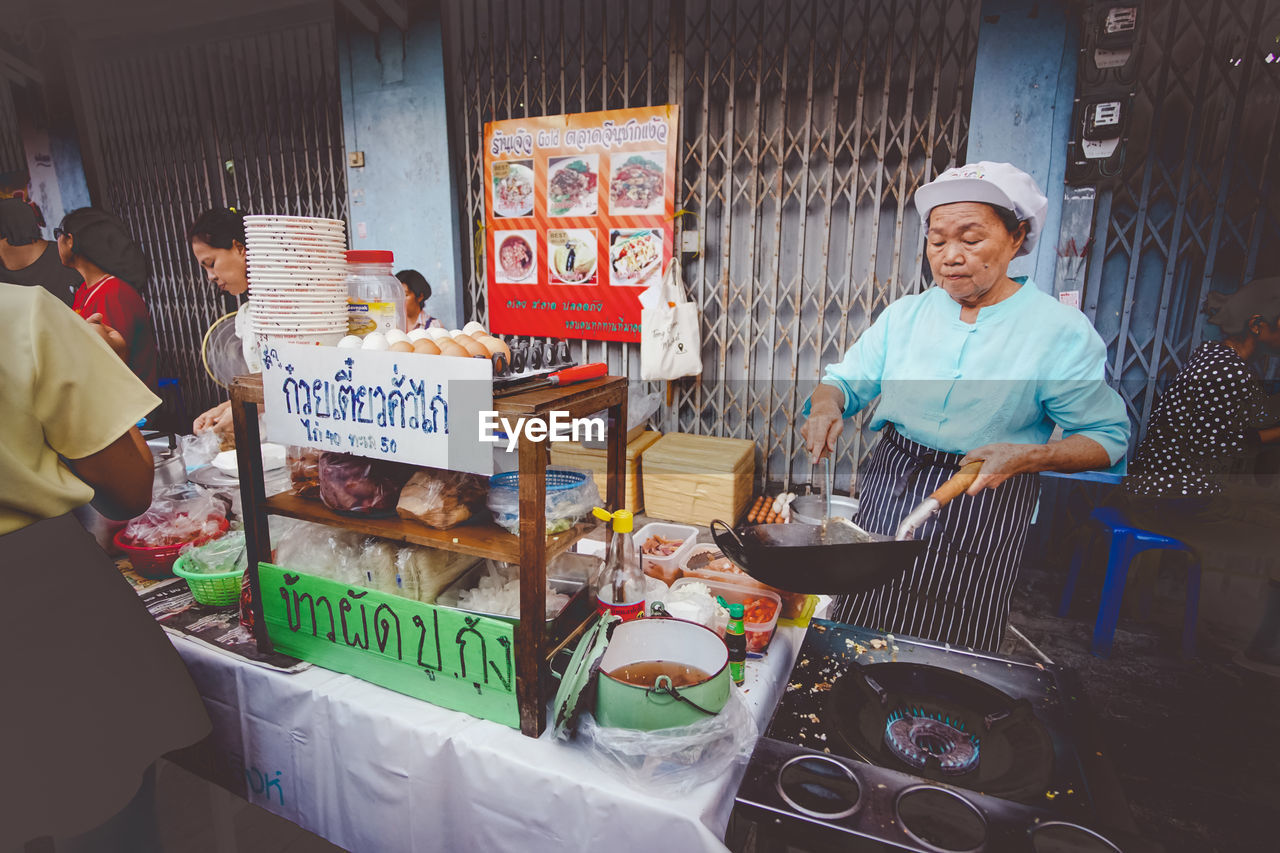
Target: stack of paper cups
[(297, 278)]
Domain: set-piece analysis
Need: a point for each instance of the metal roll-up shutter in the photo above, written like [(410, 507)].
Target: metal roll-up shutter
[(180, 123), (807, 126)]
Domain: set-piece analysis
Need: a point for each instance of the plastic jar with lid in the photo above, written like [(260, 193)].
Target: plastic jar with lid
[(375, 297)]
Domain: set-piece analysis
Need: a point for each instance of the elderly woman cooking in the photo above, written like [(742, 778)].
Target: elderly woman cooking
[(979, 367)]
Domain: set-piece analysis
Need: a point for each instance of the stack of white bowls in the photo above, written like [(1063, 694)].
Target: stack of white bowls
[(297, 278)]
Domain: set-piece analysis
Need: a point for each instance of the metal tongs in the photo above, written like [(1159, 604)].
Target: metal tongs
[(828, 485)]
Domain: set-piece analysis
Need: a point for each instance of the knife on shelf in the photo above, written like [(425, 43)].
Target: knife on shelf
[(568, 376)]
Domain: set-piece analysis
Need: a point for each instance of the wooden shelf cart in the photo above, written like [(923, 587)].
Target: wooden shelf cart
[(532, 549)]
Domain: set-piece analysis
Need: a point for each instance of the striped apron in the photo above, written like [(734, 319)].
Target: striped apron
[(958, 590)]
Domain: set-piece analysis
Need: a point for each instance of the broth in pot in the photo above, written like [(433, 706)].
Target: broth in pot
[(645, 673)]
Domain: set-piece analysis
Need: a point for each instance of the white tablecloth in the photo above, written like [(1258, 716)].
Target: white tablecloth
[(372, 770)]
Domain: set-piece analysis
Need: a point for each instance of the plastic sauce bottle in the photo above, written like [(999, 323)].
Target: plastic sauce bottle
[(375, 297), (735, 637), (620, 589)]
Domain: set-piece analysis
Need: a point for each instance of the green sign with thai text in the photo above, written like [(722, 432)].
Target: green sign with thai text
[(443, 656)]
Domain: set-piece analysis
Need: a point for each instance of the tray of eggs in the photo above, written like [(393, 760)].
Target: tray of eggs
[(512, 364)]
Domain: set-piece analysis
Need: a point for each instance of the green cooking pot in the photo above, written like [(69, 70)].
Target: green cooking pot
[(658, 649)]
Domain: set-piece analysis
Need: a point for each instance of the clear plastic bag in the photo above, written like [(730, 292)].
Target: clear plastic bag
[(304, 470), (320, 550), (564, 507), (673, 762), (226, 554), (355, 560), (178, 514), (441, 499), (199, 450), (361, 486)]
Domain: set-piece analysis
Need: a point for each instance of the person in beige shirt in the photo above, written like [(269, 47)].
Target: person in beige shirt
[(94, 691)]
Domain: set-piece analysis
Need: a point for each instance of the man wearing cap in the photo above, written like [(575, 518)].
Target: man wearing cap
[(980, 366)]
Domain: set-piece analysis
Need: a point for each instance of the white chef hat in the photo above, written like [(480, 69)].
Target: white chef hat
[(1001, 184)]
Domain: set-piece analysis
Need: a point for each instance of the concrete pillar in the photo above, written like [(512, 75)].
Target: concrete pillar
[(403, 198), (1023, 87)]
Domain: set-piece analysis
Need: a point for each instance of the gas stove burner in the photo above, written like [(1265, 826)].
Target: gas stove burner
[(931, 739), (940, 725)]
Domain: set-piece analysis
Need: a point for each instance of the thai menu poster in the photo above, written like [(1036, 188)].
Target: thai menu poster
[(579, 220)]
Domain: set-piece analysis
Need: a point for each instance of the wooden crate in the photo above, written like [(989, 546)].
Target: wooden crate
[(574, 455), (696, 478)]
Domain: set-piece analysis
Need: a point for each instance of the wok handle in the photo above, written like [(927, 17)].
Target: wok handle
[(958, 484), (729, 542)]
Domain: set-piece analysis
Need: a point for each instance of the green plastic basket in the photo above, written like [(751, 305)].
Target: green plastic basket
[(219, 589)]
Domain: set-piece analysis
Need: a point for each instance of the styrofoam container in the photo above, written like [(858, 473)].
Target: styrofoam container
[(295, 248), (665, 569), (329, 339), (320, 233), (285, 324), (302, 300), (255, 218), (759, 634), (300, 328), (301, 325), (288, 268)]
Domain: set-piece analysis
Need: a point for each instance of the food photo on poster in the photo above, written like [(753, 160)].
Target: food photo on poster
[(572, 185), (513, 189), (573, 256), (637, 184)]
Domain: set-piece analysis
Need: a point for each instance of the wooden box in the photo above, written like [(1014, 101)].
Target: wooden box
[(574, 455), (694, 479)]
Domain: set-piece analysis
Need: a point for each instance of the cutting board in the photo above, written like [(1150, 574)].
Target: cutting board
[(693, 479)]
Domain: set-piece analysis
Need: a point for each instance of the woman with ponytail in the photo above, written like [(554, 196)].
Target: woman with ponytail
[(100, 248)]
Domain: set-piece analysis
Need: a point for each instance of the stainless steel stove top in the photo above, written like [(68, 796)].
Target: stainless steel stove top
[(884, 743)]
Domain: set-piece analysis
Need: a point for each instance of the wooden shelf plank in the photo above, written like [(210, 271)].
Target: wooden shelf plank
[(482, 540)]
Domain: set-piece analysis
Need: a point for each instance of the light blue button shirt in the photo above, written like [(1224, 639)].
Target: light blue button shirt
[(1027, 363)]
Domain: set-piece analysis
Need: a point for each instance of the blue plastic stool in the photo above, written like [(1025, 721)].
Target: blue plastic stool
[(1125, 543)]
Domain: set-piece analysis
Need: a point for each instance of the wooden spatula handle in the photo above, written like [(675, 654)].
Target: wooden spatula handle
[(958, 484)]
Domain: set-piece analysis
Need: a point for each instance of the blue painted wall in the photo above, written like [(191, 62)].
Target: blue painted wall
[(1023, 88), (403, 198)]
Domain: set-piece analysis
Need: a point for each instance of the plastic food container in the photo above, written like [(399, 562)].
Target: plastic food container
[(667, 568), (759, 633), (795, 605)]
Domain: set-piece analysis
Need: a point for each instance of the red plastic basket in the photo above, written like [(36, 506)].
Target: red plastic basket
[(157, 563)]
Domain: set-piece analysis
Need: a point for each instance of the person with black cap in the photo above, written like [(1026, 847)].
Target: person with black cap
[(29, 259), (980, 367), (1186, 479), (100, 248)]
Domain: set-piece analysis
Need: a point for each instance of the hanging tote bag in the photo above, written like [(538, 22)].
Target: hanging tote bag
[(670, 336)]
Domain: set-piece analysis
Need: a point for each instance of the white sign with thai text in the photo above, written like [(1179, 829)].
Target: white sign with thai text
[(406, 407)]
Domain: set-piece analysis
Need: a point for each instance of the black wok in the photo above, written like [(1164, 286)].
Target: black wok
[(797, 558)]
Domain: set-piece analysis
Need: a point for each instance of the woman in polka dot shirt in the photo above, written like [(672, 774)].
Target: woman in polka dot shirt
[(1213, 416)]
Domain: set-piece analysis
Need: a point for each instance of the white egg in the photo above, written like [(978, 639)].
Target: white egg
[(375, 341), (395, 336), (437, 334), (350, 342), (453, 333), (472, 328), (417, 335)]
